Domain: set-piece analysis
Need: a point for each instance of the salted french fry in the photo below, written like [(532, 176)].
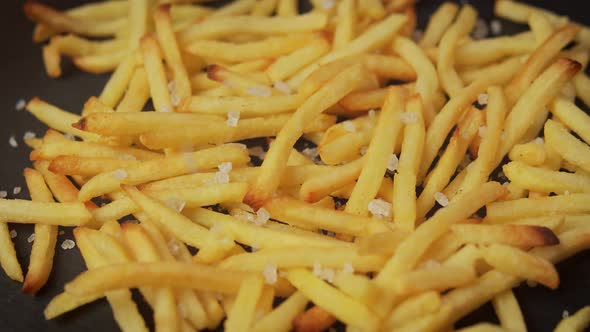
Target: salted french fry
[(449, 79), (99, 63), (569, 147), (531, 153), (438, 24), (281, 317), (277, 155), (413, 308), (315, 318), (242, 314), (8, 259), (56, 118), (150, 51), (52, 60), (582, 85), (521, 236), (506, 70), (317, 188), (526, 207), (571, 116), (235, 8), (508, 312), (404, 186), (288, 64), (264, 8), (156, 169), (41, 261), (519, 263), (332, 300), (345, 27), (534, 100), (576, 322), (89, 166), (137, 94), (543, 180), (436, 278), (359, 287), (247, 106), (66, 147), (386, 133), (364, 100), (34, 212), (116, 85), (73, 45)]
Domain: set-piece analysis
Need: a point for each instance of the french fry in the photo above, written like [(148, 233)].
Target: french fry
[(521, 236), (173, 165), (275, 161), (56, 118), (281, 317), (150, 51), (316, 188), (576, 322), (137, 93), (66, 147), (437, 278), (52, 60), (438, 24), (264, 8), (413, 308), (288, 64), (526, 207), (242, 314), (569, 147), (345, 27), (333, 301), (543, 180), (387, 131), (247, 106), (505, 70), (235, 8), (34, 212), (8, 259), (90, 166), (99, 63), (571, 116), (313, 319), (519, 263), (531, 153), (41, 261), (482, 327), (508, 311), (115, 87)]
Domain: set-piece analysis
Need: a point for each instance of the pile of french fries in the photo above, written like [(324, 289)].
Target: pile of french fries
[(390, 224)]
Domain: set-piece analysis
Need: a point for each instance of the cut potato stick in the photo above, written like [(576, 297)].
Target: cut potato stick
[(508, 312), (116, 85), (247, 106), (569, 147), (8, 259), (546, 181), (519, 263), (285, 66), (52, 150), (281, 317), (413, 308), (315, 318), (52, 60), (41, 261), (173, 165), (277, 155), (317, 188), (87, 166), (526, 207), (345, 27), (150, 51), (521, 236), (242, 314), (437, 278), (35, 212), (505, 69), (571, 116), (532, 153), (137, 94), (386, 133), (438, 24), (56, 118), (332, 300), (576, 322), (264, 8)]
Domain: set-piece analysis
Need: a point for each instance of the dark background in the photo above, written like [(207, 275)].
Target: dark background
[(23, 76)]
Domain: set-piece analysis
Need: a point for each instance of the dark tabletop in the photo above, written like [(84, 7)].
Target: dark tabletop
[(23, 76)]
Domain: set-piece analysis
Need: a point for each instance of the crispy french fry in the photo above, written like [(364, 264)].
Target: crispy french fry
[(56, 118), (99, 63), (150, 51), (8, 259), (137, 94), (543, 180), (505, 70), (569, 147), (522, 236), (52, 150), (281, 317), (242, 314), (52, 60), (508, 312), (438, 24), (288, 64), (571, 116), (115, 87), (313, 319), (34, 212), (317, 188), (576, 322), (89, 166), (532, 153), (414, 307), (247, 106), (526, 207), (345, 27), (437, 278)]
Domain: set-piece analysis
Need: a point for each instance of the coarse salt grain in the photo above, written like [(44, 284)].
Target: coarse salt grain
[(254, 247), (282, 87), (12, 141), (481, 29), (417, 35), (233, 117), (408, 117), (173, 246), (482, 99), (221, 177), (270, 274), (441, 199), (363, 150), (482, 131), (317, 269), (16, 190), (29, 135), (262, 216), (127, 157), (13, 233), (379, 208), (225, 167), (371, 114), (174, 99), (392, 163), (119, 174), (3, 194), (258, 152), (31, 238), (20, 105), (175, 204), (259, 91), (348, 126), (496, 27), (565, 314), (328, 4), (165, 109), (70, 136), (61, 232), (567, 193), (539, 141), (68, 244), (311, 153), (348, 268)]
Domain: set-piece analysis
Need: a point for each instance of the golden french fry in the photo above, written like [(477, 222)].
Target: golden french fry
[(89, 166), (505, 70), (313, 319), (438, 24), (8, 259), (532, 153), (137, 94), (56, 118), (571, 116), (317, 188), (345, 27), (242, 314), (34, 212), (436, 278), (543, 180), (508, 311), (288, 64), (569, 147), (413, 308), (115, 87), (52, 60), (150, 51), (281, 317), (522, 236), (576, 322), (247, 106), (526, 207)]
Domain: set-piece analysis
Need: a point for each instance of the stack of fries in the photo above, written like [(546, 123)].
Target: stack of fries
[(419, 236)]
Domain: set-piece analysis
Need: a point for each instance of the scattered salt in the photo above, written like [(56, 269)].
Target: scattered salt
[(311, 153), (348, 126), (441, 199), (174, 98), (13, 233), (348, 268), (482, 99), (496, 27), (232, 118), (539, 141), (481, 29), (12, 142), (392, 163), (259, 91), (16, 190), (408, 117), (328, 4), (282, 87), (31, 238), (70, 136), (119, 174), (20, 105), (567, 193), (3, 194), (29, 135), (175, 204), (380, 208), (173, 246), (326, 274), (270, 274), (165, 109), (482, 131), (262, 216), (565, 314), (221, 178), (68, 244), (225, 167)]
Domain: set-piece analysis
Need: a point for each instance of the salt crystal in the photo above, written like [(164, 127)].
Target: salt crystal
[(173, 246), (13, 233), (31, 238), (190, 162), (282, 87), (68, 244), (175, 204), (392, 163), (270, 274), (61, 232), (431, 264), (16, 190), (363, 150), (348, 126), (328, 4), (565, 314), (482, 99), (539, 141), (29, 135), (317, 269), (417, 35), (567, 193), (221, 177), (119, 174), (262, 216), (3, 194), (254, 247), (380, 208), (232, 118), (258, 152), (165, 109), (20, 105), (12, 142), (311, 153), (371, 114), (408, 117), (174, 99), (70, 136), (225, 167), (482, 131), (496, 27), (127, 157), (481, 29), (441, 199), (239, 145), (348, 268), (259, 91)]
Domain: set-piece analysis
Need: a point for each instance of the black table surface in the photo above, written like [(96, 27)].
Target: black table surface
[(23, 76)]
